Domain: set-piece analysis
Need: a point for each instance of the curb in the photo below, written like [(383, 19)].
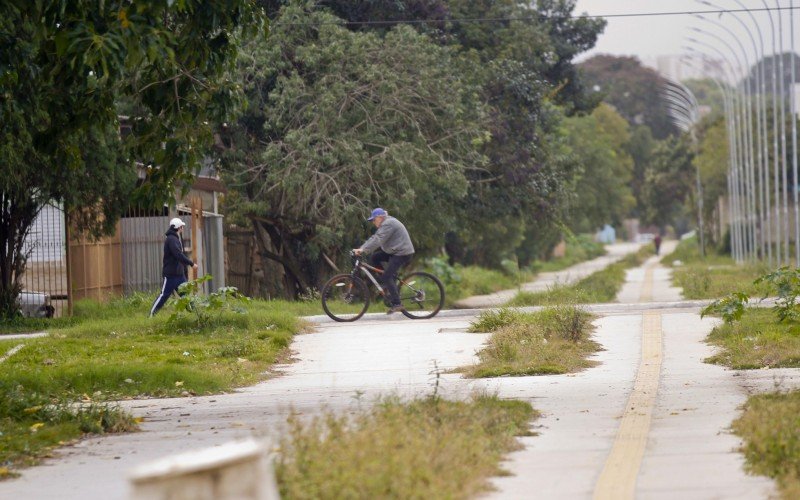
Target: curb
[(608, 308)]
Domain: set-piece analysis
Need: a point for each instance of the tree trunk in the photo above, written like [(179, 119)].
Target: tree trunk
[(267, 235), (17, 213)]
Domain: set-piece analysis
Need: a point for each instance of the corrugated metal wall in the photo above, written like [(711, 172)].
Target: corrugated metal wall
[(142, 240), (143, 250)]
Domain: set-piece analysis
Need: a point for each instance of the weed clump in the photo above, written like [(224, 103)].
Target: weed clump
[(425, 448), (553, 340), (769, 427)]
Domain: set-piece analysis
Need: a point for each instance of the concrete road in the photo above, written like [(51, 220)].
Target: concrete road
[(650, 421), (546, 281)]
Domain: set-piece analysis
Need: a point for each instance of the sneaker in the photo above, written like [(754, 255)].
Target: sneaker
[(394, 309)]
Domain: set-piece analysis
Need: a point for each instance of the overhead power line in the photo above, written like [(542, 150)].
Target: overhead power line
[(536, 18)]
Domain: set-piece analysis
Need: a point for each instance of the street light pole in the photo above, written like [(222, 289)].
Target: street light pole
[(744, 179), (738, 239), (683, 105), (761, 128), (755, 218), (728, 114), (783, 138), (793, 101), (775, 153)]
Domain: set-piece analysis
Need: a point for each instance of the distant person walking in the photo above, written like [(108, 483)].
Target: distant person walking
[(657, 242), (175, 264)]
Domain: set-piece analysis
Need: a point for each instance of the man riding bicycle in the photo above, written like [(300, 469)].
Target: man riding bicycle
[(394, 250)]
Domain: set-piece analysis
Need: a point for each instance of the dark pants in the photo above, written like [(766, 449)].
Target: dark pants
[(390, 264), (168, 287)]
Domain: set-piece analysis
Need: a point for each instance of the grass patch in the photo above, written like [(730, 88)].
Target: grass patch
[(770, 428), (425, 448), (32, 424), (467, 281), (129, 354), (756, 341), (114, 351), (579, 249), (712, 276), (599, 287), (552, 341)]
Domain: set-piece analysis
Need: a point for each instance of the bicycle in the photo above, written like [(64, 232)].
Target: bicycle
[(346, 297)]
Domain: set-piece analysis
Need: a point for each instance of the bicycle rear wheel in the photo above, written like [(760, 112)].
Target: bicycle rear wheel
[(422, 295), (345, 298)]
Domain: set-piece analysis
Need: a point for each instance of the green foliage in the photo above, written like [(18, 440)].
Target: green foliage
[(63, 67), (786, 283), (439, 449), (524, 75), (395, 127), (203, 307), (783, 282), (603, 192), (668, 182), (731, 307), (453, 128), (439, 267)]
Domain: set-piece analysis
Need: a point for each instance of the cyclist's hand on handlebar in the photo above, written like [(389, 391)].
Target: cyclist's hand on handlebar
[(357, 251)]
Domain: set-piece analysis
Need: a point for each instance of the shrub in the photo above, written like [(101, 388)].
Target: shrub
[(202, 308)]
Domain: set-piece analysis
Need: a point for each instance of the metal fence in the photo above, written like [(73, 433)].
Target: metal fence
[(142, 236), (46, 269), (127, 262)]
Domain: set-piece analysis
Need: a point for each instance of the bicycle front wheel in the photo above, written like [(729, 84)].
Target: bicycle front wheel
[(345, 298), (421, 294)]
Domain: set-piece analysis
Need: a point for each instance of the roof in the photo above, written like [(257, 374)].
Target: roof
[(209, 184)]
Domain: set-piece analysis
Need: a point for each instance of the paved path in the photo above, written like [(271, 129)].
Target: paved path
[(649, 422), (545, 281), (651, 426)]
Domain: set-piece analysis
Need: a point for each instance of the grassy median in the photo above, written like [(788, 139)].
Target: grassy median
[(599, 287), (713, 275), (770, 428), (425, 448), (114, 351), (552, 341), (756, 341)]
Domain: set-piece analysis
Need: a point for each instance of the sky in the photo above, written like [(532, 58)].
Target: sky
[(647, 37)]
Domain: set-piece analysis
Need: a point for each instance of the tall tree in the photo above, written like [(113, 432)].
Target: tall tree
[(340, 121), (525, 72), (63, 65), (603, 190), (634, 90), (668, 182)]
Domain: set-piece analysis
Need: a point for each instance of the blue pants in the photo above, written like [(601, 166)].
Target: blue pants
[(168, 287)]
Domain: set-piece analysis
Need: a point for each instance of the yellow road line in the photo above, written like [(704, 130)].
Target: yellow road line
[(618, 479)]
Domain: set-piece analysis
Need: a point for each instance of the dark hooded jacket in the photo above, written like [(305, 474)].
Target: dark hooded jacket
[(175, 261)]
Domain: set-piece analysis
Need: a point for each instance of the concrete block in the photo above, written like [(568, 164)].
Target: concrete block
[(239, 470)]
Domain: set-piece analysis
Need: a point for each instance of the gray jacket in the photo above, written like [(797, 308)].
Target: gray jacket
[(392, 237)]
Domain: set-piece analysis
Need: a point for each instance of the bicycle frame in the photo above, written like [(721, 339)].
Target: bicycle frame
[(365, 270)]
